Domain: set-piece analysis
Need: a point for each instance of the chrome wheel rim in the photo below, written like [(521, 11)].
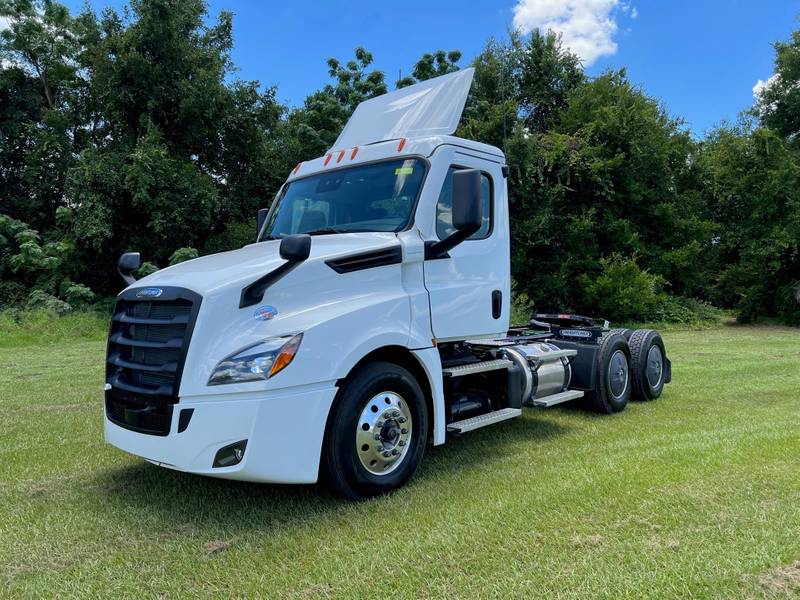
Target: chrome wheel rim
[(618, 374), (383, 433), (655, 366)]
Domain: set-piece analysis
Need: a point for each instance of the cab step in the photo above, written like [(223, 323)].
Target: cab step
[(477, 367), (483, 420), (549, 401)]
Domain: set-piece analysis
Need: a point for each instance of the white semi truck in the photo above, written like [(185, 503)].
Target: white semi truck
[(369, 319)]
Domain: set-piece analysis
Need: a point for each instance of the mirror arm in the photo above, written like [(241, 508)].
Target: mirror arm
[(128, 278), (441, 248)]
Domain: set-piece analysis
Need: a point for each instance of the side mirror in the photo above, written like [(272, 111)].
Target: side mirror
[(295, 248), (260, 219), (467, 218), (127, 264), (467, 200)]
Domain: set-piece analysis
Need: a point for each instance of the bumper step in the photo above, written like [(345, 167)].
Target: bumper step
[(549, 401), (484, 420)]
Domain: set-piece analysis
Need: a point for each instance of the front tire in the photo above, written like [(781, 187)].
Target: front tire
[(376, 432)]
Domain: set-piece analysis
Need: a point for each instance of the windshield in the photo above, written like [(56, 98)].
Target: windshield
[(375, 197)]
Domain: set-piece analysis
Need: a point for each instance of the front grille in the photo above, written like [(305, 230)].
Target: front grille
[(147, 347)]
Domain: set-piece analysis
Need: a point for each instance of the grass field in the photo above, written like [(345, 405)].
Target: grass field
[(694, 495)]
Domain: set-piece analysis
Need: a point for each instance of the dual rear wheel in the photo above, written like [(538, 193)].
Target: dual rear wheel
[(630, 364)]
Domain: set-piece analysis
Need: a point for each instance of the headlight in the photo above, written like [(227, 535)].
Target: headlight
[(257, 362)]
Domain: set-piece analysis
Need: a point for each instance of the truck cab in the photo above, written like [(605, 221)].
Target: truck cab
[(369, 319)]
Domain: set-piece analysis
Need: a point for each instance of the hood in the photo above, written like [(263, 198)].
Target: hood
[(206, 274)]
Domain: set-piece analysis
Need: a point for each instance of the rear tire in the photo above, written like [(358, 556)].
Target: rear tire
[(376, 432), (626, 333), (648, 364), (612, 376)]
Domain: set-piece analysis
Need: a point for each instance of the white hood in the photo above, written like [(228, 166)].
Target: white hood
[(240, 267)]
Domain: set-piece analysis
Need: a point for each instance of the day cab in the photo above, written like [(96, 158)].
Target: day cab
[(369, 319)]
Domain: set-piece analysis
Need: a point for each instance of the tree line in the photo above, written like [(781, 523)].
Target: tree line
[(129, 131)]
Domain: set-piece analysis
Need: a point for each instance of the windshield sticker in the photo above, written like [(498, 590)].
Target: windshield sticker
[(404, 171), (265, 313)]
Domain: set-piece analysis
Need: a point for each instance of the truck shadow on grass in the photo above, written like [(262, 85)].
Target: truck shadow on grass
[(144, 495)]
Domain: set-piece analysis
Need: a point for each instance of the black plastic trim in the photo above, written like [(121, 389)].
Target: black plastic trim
[(254, 293), (497, 304), (183, 419), (366, 260), (137, 399)]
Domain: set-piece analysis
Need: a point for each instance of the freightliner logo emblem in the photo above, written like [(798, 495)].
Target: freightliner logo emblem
[(152, 292)]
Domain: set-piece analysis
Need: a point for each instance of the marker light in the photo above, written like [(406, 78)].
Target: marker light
[(257, 362)]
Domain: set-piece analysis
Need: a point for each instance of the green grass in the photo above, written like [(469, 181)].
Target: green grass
[(27, 327), (696, 494)]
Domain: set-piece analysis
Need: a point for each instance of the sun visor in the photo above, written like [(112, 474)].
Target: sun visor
[(431, 107)]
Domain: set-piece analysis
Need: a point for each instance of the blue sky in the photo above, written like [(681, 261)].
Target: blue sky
[(701, 58)]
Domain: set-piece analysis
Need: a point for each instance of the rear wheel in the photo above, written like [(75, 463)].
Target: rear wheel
[(648, 364), (376, 432), (612, 376), (626, 333)]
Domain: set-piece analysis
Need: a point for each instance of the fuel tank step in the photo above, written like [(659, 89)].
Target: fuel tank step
[(549, 401), (483, 420), (477, 367)]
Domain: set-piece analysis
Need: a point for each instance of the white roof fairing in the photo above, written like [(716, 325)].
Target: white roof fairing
[(428, 108)]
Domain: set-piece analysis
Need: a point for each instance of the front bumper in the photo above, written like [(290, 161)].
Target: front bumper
[(283, 429)]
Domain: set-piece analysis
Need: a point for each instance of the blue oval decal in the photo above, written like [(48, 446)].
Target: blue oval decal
[(151, 292), (265, 313)]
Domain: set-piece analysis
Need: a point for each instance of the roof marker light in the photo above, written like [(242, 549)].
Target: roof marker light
[(340, 157), (327, 160), (353, 154), (401, 144), (297, 168)]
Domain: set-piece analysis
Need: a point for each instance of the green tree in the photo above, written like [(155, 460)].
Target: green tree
[(431, 65), (612, 176), (753, 185), (313, 129), (778, 103)]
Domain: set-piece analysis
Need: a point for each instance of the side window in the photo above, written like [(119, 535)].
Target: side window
[(444, 208)]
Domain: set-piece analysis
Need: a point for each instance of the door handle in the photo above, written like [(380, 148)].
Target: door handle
[(497, 303)]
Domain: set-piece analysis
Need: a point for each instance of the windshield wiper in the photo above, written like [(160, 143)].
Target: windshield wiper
[(328, 231)]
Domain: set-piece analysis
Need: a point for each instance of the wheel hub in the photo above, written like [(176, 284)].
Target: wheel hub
[(383, 433), (618, 374), (655, 366)]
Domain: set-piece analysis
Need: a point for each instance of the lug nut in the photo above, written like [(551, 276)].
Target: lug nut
[(377, 437), (404, 431), (402, 419), (379, 424), (395, 452), (386, 455), (401, 443)]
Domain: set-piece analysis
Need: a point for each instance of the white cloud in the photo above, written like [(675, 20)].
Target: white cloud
[(761, 85), (5, 23), (587, 27)]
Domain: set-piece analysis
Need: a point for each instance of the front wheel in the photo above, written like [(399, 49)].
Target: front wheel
[(376, 432)]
